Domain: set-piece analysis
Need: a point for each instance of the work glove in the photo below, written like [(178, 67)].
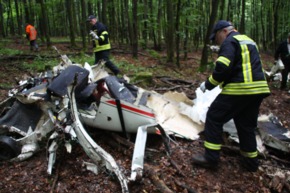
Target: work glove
[(94, 35), (214, 48), (202, 87)]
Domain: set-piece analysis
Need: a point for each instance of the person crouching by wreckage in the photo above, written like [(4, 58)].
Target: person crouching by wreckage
[(101, 43), (239, 72)]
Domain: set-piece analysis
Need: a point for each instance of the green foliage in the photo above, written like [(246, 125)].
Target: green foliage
[(129, 68), (154, 54), (40, 64), (9, 52), (82, 58), (143, 78), (5, 85)]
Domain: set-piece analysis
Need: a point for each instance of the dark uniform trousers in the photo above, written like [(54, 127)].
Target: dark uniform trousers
[(104, 55), (285, 73), (243, 110)]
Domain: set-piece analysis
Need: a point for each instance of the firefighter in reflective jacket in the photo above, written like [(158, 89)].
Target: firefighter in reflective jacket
[(31, 35), (239, 73), (101, 43)]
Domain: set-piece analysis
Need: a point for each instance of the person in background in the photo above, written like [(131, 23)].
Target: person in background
[(283, 53), (101, 43), (31, 35), (238, 71)]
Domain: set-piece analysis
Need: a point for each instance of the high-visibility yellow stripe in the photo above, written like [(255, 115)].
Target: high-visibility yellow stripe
[(246, 64), (213, 81), (102, 47), (212, 146), (254, 84), (102, 35), (257, 87), (243, 39), (249, 154), (224, 60)]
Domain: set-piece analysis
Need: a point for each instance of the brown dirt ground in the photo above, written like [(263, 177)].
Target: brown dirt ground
[(176, 171)]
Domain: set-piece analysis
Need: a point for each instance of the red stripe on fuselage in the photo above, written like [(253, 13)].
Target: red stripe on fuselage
[(132, 109)]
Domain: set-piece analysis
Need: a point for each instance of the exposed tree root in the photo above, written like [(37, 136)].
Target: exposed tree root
[(158, 183), (189, 189)]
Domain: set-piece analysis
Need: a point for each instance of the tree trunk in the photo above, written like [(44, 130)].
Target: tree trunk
[(145, 24), (10, 23), (135, 29), (2, 29), (129, 26), (170, 31), (83, 24), (74, 18), (19, 28), (276, 13), (104, 12), (159, 27), (26, 11), (178, 33), (213, 16), (45, 21), (70, 22), (242, 24)]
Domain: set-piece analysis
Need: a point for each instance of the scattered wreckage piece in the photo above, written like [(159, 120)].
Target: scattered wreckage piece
[(52, 112), (274, 135), (100, 101), (92, 149)]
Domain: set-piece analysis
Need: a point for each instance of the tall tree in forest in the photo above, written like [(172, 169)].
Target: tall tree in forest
[(90, 8), (206, 41), (230, 10), (222, 9), (31, 7), (70, 21), (19, 28), (169, 31), (263, 27), (83, 25), (275, 20), (104, 12), (10, 19), (177, 39), (113, 21), (145, 22), (75, 17), (45, 23), (242, 23), (185, 41), (26, 11), (157, 43), (128, 22), (2, 29), (135, 29)]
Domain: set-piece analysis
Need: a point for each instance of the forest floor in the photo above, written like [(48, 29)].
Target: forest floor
[(175, 172)]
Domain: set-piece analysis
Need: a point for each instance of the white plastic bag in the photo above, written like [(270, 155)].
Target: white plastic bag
[(201, 104), (280, 64)]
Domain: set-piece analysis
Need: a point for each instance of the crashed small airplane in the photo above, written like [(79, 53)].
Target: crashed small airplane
[(71, 97)]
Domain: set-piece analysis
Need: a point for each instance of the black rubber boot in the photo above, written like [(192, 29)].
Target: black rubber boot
[(250, 164), (200, 159)]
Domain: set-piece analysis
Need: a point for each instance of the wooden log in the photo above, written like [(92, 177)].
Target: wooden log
[(158, 183)]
